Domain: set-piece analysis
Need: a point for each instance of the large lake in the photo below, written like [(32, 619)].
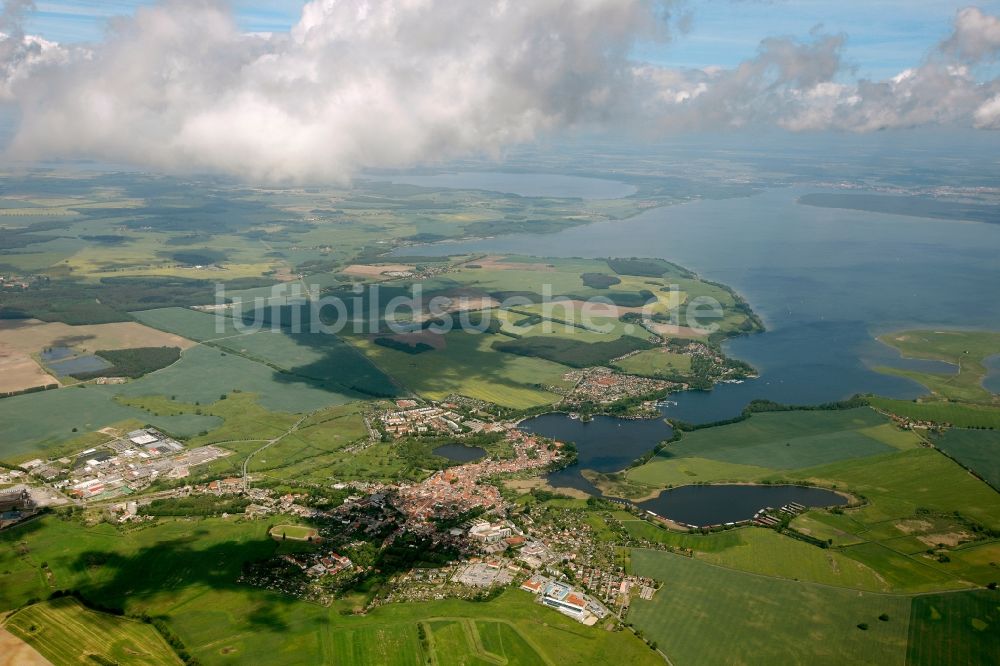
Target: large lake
[(719, 504), (606, 444), (522, 184), (825, 281)]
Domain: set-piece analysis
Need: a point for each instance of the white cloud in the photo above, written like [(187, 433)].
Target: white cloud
[(354, 84), (976, 36), (362, 83)]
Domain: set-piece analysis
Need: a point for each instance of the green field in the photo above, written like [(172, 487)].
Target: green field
[(65, 632), (36, 422), (765, 620), (756, 447), (978, 450), (294, 532), (313, 356), (655, 362), (191, 324), (912, 499), (33, 423), (570, 351), (205, 373), (962, 415), (186, 571), (916, 499), (463, 641), (898, 484), (967, 350), (957, 628), (766, 552), (468, 366), (533, 343)]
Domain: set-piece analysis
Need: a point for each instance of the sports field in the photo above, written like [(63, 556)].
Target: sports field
[(293, 532), (67, 633), (704, 614)]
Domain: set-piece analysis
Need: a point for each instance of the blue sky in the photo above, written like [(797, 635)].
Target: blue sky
[(884, 36)]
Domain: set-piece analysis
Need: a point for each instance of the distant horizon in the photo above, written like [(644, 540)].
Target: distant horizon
[(286, 92)]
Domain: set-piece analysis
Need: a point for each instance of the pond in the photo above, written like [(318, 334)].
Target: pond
[(720, 504), (992, 380), (606, 444), (57, 353), (460, 452), (72, 366)]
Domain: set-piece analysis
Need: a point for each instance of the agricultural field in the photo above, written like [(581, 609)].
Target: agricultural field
[(766, 620), (468, 365), (958, 414), (530, 343), (23, 341), (764, 551), (759, 446), (656, 362), (917, 501), (204, 373), (898, 484), (192, 324), (967, 350), (455, 641), (978, 450), (954, 628), (18, 653), (322, 357), (65, 632), (922, 523), (186, 571), (113, 226), (37, 422), (20, 372)]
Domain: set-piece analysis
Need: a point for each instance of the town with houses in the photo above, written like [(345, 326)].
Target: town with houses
[(487, 542)]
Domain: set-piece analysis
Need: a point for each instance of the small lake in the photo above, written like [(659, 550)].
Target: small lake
[(606, 444), (992, 380), (720, 504), (77, 365), (522, 184), (460, 452), (57, 353)]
